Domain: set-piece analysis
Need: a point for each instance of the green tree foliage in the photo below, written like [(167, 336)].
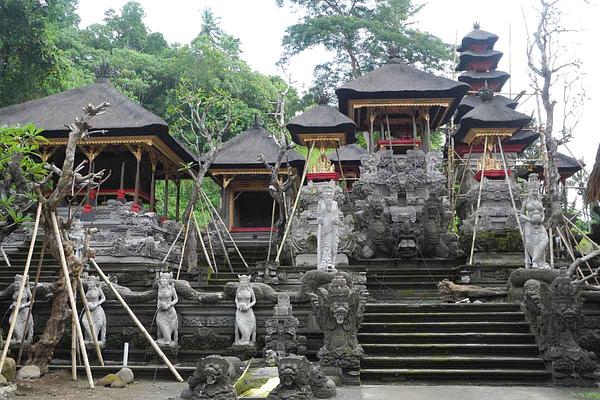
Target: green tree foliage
[(362, 34)]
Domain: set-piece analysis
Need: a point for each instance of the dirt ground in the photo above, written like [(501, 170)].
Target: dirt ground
[(58, 385)]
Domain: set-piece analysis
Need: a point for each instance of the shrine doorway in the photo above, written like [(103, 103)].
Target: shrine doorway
[(252, 210)]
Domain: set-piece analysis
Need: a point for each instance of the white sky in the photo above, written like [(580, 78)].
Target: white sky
[(260, 25)]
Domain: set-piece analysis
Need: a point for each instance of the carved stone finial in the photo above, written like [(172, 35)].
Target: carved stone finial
[(485, 93), (103, 72), (257, 122), (476, 25)]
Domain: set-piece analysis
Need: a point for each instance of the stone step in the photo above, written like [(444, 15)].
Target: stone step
[(498, 375), (444, 316), (437, 337), (452, 362), (439, 349), (399, 307), (445, 326)]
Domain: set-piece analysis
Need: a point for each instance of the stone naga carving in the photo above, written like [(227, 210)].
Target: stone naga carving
[(282, 337), (95, 298), (554, 312), (245, 321), (328, 219), (23, 331), (167, 323), (300, 380), (339, 310), (535, 237), (211, 380)]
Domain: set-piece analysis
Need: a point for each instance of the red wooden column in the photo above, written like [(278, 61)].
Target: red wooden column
[(178, 183)]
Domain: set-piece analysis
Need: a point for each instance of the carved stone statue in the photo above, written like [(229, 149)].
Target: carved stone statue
[(22, 332), (300, 380), (77, 235), (95, 298), (555, 314), (166, 317), (328, 218), (339, 310), (282, 337), (535, 236), (210, 381), (245, 321)]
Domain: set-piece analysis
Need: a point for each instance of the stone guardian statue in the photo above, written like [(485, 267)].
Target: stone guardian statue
[(245, 321), (22, 332), (95, 298), (535, 237), (166, 316), (328, 219)]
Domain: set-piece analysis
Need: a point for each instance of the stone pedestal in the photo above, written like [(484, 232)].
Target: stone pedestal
[(310, 261)]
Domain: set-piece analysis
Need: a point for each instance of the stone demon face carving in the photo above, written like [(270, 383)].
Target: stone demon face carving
[(215, 370), (339, 309), (293, 371)]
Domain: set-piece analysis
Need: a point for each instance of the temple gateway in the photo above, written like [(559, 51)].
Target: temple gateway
[(388, 256)]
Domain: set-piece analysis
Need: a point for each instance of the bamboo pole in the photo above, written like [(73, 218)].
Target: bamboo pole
[(6, 260), (223, 247), (13, 319), (586, 263), (210, 246), (187, 232), (271, 231), (90, 321), (63, 262), (296, 201), (202, 243), (478, 202), (173, 244), (225, 226), (74, 339), (137, 322)]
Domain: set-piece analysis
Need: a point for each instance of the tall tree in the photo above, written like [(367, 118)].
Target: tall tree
[(363, 34)]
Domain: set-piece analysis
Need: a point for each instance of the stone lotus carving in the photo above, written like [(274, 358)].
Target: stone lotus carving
[(554, 312), (339, 310), (211, 380), (95, 298), (328, 219), (300, 380), (167, 323), (23, 331), (535, 237), (245, 321)]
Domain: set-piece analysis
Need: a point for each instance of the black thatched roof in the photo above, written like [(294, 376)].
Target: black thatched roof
[(350, 153), (471, 77), (478, 36), (489, 114), (322, 119), (567, 167), (242, 150), (469, 56), (123, 118), (400, 81), (524, 137), (470, 102)]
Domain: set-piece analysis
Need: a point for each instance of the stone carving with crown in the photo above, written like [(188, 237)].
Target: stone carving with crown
[(167, 324), (211, 380), (245, 321), (535, 236)]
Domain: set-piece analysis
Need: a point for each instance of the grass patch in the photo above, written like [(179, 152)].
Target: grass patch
[(589, 395)]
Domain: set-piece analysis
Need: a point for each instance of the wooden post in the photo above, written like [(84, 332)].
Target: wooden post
[(166, 197), (65, 268), (138, 161), (152, 185), (13, 319), (478, 202), (90, 321), (271, 231), (137, 322), (177, 197)]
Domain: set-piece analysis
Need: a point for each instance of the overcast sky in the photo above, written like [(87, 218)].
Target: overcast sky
[(260, 25)]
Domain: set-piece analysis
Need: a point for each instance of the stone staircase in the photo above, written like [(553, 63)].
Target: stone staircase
[(441, 343)]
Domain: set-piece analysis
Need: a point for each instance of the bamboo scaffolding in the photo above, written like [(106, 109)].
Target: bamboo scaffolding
[(223, 246), (173, 244), (187, 232), (13, 319), (478, 202), (137, 322), (202, 243), (271, 231)]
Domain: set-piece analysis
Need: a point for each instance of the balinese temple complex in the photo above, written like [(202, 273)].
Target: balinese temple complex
[(396, 262)]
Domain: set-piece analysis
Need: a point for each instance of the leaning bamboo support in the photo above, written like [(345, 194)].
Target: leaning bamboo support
[(90, 321), (478, 202), (74, 338), (33, 294), (271, 231), (6, 260), (225, 226), (586, 262), (15, 313), (65, 268), (187, 233), (216, 227), (173, 244), (296, 202), (202, 243), (137, 321), (210, 245)]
